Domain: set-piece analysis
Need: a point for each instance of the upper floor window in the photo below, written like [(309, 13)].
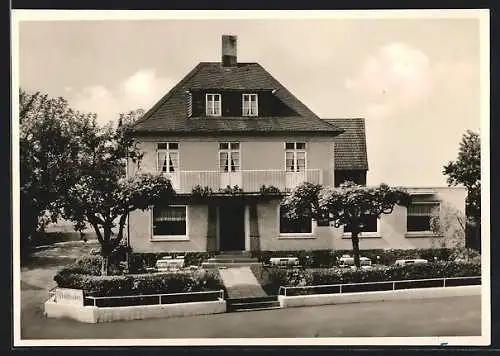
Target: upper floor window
[(213, 105), (295, 156), (419, 216), (250, 105), (167, 157), (229, 156)]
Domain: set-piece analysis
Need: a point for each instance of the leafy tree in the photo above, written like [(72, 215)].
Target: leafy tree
[(348, 205), (103, 196), (49, 134), (448, 223), (466, 170), (130, 117)]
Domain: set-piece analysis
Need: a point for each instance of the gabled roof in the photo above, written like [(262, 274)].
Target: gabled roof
[(350, 146), (170, 114)]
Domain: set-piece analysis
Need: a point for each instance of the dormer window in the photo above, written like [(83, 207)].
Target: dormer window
[(213, 105), (250, 105)]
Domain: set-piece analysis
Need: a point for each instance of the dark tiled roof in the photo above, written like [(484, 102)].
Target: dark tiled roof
[(350, 146), (170, 114)]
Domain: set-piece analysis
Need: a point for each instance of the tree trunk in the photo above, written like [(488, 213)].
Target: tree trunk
[(355, 248)]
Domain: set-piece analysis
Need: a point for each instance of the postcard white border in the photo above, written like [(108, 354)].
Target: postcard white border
[(76, 15)]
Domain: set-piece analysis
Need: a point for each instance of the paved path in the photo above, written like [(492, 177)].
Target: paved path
[(240, 282)]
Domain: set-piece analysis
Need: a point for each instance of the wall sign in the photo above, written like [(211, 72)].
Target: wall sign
[(69, 296)]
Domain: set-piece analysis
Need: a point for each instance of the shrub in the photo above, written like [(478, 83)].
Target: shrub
[(139, 284), (90, 265), (272, 278), (329, 258), (138, 262)]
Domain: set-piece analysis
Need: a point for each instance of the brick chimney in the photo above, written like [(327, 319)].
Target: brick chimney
[(229, 58)]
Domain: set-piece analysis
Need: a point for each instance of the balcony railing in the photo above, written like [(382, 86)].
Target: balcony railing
[(249, 180)]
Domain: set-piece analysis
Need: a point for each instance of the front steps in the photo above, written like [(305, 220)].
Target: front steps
[(252, 304), (230, 259), (244, 292)]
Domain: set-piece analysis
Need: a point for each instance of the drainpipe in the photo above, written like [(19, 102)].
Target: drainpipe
[(127, 254)]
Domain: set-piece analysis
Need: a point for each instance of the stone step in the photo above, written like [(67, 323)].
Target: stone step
[(228, 264), (268, 298), (232, 259), (253, 309), (231, 307), (234, 253)]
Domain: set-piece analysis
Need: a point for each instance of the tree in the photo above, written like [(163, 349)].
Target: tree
[(49, 134), (448, 224), (349, 205), (103, 196), (130, 117), (466, 170)]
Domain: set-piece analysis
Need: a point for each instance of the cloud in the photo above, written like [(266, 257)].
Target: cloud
[(141, 89), (395, 78)]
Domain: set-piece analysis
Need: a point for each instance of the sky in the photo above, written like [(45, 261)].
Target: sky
[(416, 81)]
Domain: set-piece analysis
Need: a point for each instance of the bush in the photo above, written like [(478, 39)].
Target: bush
[(141, 284), (138, 262), (272, 278), (90, 265), (329, 258)]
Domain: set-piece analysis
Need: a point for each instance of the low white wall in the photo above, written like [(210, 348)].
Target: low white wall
[(88, 314), (91, 314), (345, 298)]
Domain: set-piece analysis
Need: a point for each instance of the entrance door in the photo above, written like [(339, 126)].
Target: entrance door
[(232, 227)]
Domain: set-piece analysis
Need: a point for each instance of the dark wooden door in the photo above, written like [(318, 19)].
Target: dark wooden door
[(232, 227)]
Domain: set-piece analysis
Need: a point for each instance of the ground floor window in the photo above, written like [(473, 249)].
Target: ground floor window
[(371, 225), (301, 225), (419, 216), (170, 220)]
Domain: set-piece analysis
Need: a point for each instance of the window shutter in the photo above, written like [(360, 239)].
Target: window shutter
[(189, 104)]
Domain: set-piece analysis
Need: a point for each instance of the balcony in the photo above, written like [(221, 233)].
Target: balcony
[(249, 181)]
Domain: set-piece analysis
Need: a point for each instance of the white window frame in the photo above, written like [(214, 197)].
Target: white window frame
[(295, 150), (348, 235), (424, 233), (229, 150), (167, 151), (295, 235), (219, 106), (249, 96), (155, 238)]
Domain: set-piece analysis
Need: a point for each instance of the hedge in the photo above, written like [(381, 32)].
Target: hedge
[(272, 278), (138, 262), (140, 284), (328, 258)]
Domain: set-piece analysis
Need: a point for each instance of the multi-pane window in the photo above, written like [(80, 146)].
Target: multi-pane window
[(213, 104), (295, 156), (419, 216), (250, 105), (168, 157), (229, 156), (299, 225), (169, 221), (370, 225)]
